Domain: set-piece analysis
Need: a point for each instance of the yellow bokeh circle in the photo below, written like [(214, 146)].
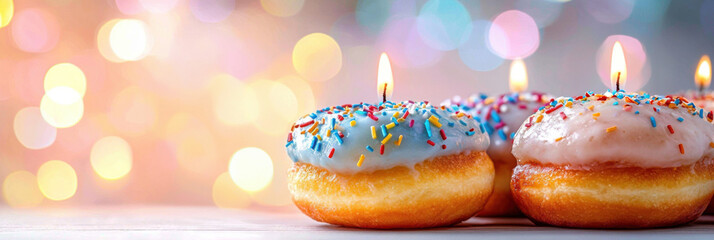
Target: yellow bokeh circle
[(251, 169), (227, 195), (111, 157), (31, 129), (103, 41), (130, 39), (62, 107), (20, 190), (282, 8), (66, 75), (57, 180), (317, 57), (6, 12)]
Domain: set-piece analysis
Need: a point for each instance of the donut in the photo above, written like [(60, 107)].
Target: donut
[(390, 165), (615, 160), (703, 100), (501, 117)]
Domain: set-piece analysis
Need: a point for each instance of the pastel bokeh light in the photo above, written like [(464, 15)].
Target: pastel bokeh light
[(251, 169), (317, 57), (475, 52), (514, 34), (226, 194), (31, 129), (111, 157), (406, 47), (444, 24), (212, 11), (130, 39), (62, 107), (282, 8), (35, 30), (20, 190), (66, 75), (7, 9), (57, 180)]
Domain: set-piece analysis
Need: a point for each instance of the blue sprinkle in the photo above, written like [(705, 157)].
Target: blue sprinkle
[(428, 128), (369, 148), (654, 123), (434, 112), (680, 119), (289, 143), (469, 133), (360, 112), (513, 135), (394, 120), (553, 103), (480, 127), (478, 119), (495, 116), (384, 131), (676, 102), (489, 128), (333, 121), (313, 115), (451, 124), (541, 108), (637, 112), (462, 122), (701, 113), (314, 142), (384, 113), (616, 103), (318, 147), (502, 134), (339, 139)]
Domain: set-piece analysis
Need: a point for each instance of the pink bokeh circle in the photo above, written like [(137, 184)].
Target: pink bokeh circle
[(514, 34)]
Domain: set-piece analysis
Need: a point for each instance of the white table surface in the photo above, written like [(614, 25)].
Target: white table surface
[(159, 222)]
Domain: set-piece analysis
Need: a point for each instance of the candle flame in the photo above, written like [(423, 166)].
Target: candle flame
[(518, 79), (703, 76), (384, 76), (618, 66)]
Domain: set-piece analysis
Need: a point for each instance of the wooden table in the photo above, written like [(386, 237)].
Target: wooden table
[(141, 222)]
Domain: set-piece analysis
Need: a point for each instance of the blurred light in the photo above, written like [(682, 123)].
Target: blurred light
[(703, 76), (303, 92), (371, 15), (618, 68), (20, 190), (31, 129), (194, 144), (130, 39), (158, 6), (543, 12), (212, 11), (35, 30), (227, 195), (6, 11), (129, 7), (66, 75), (234, 103), (444, 24), (514, 34), (57, 180), (251, 169), (638, 72), (277, 106), (385, 79), (133, 111), (475, 52), (62, 107), (282, 8), (645, 11), (405, 46), (103, 41), (317, 57), (609, 11), (111, 157), (518, 79)]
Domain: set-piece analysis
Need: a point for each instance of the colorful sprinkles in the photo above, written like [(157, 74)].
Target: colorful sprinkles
[(630, 99), (329, 122)]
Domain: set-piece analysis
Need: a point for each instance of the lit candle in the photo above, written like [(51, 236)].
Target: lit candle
[(618, 68), (518, 79), (385, 79), (703, 75)]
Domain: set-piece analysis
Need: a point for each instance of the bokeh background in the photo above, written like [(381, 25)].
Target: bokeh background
[(188, 102)]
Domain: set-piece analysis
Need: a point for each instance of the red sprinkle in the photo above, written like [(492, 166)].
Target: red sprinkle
[(681, 148), (443, 134), (405, 115), (290, 137), (340, 117), (370, 115), (381, 150), (671, 130), (427, 141), (443, 146), (562, 114), (331, 152), (308, 123), (341, 135), (411, 123), (553, 108)]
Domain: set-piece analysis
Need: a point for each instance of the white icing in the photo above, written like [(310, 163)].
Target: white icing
[(412, 150), (584, 141)]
